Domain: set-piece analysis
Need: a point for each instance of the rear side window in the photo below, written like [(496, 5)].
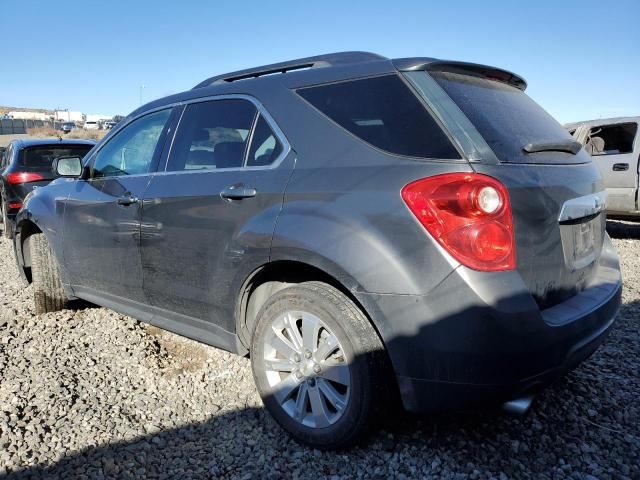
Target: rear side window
[(40, 158), (212, 135), (265, 146), (385, 113), (611, 139), (504, 115), (218, 134)]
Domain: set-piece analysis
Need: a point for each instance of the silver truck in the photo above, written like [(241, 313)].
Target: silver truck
[(614, 146)]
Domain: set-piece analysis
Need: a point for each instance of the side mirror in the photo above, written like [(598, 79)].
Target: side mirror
[(68, 166)]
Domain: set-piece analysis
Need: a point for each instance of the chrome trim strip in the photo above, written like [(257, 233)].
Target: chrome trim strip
[(581, 207), (286, 146)]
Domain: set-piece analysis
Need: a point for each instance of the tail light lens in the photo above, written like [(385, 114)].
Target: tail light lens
[(469, 214), (15, 178)]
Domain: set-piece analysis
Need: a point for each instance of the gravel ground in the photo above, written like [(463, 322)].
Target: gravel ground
[(94, 394)]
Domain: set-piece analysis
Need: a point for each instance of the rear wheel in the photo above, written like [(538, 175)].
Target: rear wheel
[(48, 293), (318, 364)]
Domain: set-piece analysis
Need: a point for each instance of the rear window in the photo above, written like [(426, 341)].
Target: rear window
[(42, 156), (385, 113), (504, 115)]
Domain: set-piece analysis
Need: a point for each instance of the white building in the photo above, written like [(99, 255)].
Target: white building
[(68, 116), (17, 115)]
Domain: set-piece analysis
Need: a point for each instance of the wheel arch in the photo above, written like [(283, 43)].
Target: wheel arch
[(278, 275), (24, 229)]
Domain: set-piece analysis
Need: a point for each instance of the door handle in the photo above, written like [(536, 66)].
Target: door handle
[(620, 167), (127, 200), (238, 192)]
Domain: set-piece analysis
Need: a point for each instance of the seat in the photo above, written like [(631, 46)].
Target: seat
[(595, 146)]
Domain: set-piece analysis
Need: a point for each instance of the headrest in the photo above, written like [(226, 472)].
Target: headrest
[(201, 135), (229, 154)]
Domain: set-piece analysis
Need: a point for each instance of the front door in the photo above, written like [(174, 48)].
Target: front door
[(102, 213), (615, 149), (209, 218)]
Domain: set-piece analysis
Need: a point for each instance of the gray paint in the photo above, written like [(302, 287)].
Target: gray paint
[(180, 257)]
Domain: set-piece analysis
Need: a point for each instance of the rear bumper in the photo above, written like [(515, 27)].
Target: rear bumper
[(481, 338)]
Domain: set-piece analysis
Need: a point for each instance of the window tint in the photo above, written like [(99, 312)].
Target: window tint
[(41, 158), (265, 147), (212, 135), (131, 151), (384, 112), (504, 115), (611, 139)]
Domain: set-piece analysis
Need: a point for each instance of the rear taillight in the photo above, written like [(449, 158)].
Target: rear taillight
[(469, 215), (15, 178)]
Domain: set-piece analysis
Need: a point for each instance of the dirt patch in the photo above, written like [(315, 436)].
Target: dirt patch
[(174, 354), (78, 133)]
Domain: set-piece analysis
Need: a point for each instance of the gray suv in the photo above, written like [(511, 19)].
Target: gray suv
[(366, 229)]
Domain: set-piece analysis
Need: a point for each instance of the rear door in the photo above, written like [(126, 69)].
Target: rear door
[(208, 220), (102, 214), (612, 149)]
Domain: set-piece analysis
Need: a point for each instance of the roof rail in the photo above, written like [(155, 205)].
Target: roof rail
[(330, 59)]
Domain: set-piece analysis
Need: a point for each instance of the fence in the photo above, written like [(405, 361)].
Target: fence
[(10, 126)]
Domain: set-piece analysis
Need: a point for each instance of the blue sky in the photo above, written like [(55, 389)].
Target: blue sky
[(580, 58)]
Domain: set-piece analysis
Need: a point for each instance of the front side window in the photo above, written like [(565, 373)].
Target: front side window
[(611, 139), (133, 149), (384, 112), (212, 135)]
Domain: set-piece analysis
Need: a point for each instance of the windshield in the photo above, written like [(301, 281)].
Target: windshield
[(505, 116)]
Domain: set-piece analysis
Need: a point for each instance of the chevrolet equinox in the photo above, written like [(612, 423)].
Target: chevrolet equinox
[(366, 229)]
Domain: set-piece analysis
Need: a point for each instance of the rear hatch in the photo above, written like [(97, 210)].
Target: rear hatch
[(39, 158), (553, 186), (34, 168)]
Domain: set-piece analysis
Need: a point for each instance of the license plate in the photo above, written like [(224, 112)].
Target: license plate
[(583, 240), (581, 243)]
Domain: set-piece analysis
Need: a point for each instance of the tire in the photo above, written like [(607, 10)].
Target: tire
[(323, 400), (6, 223), (48, 293)]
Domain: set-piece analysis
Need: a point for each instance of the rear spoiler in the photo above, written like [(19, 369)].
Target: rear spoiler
[(473, 69)]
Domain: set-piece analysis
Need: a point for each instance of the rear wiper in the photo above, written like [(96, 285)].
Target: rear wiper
[(569, 146)]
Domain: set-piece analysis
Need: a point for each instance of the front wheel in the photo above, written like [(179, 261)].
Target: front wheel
[(319, 365), (6, 223), (48, 292)]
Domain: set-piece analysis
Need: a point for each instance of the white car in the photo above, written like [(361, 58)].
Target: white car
[(91, 125)]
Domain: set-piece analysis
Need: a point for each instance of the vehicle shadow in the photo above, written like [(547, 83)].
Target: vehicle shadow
[(622, 229), (578, 413)]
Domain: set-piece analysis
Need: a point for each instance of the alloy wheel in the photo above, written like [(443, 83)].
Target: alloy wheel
[(306, 368)]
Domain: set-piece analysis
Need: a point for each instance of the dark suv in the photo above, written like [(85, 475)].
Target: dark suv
[(363, 227), (26, 165)]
